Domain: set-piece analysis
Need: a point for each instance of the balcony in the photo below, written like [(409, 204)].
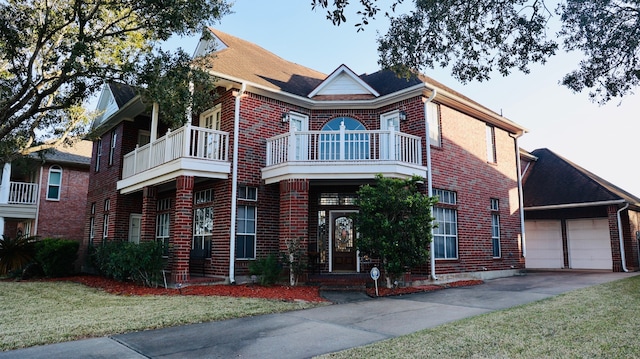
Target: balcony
[(20, 201), (189, 150), (342, 155)]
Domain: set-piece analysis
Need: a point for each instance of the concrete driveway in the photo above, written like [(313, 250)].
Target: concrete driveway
[(306, 333)]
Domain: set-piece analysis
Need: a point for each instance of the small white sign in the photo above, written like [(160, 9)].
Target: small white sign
[(375, 273)]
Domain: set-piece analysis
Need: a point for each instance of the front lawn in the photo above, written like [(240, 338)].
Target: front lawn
[(35, 313), (596, 322)]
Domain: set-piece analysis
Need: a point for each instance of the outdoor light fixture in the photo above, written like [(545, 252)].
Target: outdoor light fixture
[(284, 118), (402, 115)]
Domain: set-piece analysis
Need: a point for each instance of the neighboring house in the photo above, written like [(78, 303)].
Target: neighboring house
[(575, 219), (281, 156), (46, 195)]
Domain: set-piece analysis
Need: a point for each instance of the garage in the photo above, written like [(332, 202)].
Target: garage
[(544, 244), (589, 244)]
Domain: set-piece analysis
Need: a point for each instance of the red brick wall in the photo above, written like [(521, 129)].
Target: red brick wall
[(64, 218), (460, 165)]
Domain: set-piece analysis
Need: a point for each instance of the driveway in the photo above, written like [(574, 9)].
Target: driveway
[(306, 333)]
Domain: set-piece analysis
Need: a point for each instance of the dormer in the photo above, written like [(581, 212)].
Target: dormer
[(343, 84)]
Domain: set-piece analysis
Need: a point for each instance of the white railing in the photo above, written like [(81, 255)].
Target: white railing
[(185, 142), (23, 193), (343, 145)]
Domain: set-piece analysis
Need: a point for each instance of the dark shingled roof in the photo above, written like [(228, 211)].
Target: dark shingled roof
[(122, 93), (554, 180), (78, 154)]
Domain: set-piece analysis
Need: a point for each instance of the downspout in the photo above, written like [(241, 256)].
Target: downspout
[(520, 195), (429, 184), (622, 254), (234, 185)]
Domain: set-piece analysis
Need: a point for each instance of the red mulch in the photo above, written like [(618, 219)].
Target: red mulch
[(385, 292), (278, 292)]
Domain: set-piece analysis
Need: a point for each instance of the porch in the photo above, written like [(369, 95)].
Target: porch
[(189, 150), (344, 154)]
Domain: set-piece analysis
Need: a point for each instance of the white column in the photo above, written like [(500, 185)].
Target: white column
[(5, 183)]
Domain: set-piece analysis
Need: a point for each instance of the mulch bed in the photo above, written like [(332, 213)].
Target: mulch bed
[(385, 292), (276, 292)]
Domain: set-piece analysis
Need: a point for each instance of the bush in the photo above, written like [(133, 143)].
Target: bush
[(16, 253), (56, 256), (267, 268), (141, 263)]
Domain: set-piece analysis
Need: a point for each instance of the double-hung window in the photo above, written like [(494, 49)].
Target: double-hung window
[(105, 220), (163, 224), (112, 146), (491, 144), (92, 224), (445, 234), (246, 224), (98, 154), (495, 227), (55, 182)]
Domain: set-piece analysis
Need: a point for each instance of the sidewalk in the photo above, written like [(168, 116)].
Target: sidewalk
[(306, 333)]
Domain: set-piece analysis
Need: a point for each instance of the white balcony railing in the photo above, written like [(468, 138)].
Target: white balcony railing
[(23, 193), (343, 145), (185, 142)]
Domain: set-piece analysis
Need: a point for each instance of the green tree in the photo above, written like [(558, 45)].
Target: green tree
[(56, 54), (477, 38), (394, 224)]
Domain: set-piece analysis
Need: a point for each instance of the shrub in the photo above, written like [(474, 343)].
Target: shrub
[(16, 253), (141, 263), (56, 256), (267, 268)]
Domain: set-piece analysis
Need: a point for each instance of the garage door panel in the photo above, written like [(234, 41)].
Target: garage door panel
[(544, 244), (589, 244)]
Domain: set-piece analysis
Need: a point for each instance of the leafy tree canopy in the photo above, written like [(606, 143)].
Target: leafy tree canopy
[(55, 54), (479, 37), (394, 223)]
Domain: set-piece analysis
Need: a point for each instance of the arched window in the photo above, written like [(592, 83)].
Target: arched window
[(55, 181), (354, 145)]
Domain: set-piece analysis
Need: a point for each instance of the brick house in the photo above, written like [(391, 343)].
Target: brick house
[(575, 219), (281, 156), (46, 196)]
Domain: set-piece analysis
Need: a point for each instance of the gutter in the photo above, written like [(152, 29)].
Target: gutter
[(234, 186), (623, 259), (523, 240), (575, 205), (429, 179)]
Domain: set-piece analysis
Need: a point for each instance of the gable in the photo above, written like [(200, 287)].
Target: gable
[(343, 81), (106, 107)]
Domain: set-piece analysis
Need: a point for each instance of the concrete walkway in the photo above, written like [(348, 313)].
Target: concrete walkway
[(305, 333)]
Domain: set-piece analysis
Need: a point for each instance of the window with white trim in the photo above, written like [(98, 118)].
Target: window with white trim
[(495, 228), (144, 137), (105, 220), (445, 234), (491, 144), (112, 146), (248, 193), (92, 224), (98, 154), (246, 232), (55, 183), (163, 224)]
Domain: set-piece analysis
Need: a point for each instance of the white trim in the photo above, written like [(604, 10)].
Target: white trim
[(337, 74), (58, 169), (575, 205)]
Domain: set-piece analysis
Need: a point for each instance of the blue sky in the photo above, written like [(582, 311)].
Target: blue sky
[(601, 139)]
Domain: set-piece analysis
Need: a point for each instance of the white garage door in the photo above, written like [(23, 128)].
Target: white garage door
[(544, 244), (589, 244)]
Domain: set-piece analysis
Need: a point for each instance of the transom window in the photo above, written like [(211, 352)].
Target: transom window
[(337, 199), (446, 197), (248, 193), (203, 196)]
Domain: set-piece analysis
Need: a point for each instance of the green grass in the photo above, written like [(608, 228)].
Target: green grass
[(35, 313), (596, 322)]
